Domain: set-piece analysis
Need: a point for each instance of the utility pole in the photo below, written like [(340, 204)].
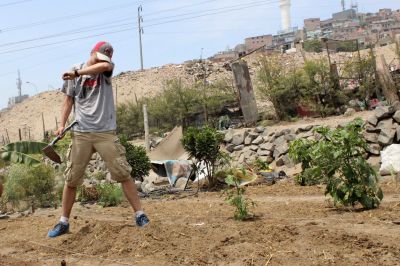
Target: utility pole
[(343, 5), (140, 20)]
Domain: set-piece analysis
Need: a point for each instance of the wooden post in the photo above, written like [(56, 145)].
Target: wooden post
[(8, 137), (29, 133), (44, 128), (4, 141), (19, 133), (146, 128), (247, 99), (116, 95), (388, 86), (56, 123)]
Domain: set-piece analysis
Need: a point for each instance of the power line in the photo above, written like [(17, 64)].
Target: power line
[(177, 8), (15, 3)]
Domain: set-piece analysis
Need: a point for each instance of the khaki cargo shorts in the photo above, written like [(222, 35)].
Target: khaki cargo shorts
[(84, 145)]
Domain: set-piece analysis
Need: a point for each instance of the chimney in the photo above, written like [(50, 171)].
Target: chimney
[(285, 15)]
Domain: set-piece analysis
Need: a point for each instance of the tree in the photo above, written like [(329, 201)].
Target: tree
[(312, 46)]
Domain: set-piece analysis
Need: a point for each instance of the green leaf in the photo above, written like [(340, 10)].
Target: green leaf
[(27, 147), (18, 157)]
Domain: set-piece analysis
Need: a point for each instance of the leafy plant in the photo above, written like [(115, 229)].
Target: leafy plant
[(22, 152), (312, 46), (109, 194), (137, 159), (260, 165), (87, 194), (204, 144), (338, 158), (235, 197)]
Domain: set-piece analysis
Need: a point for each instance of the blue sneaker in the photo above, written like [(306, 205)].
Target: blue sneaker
[(59, 229), (142, 220)]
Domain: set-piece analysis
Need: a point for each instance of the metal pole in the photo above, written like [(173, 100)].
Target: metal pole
[(146, 128), (140, 20)]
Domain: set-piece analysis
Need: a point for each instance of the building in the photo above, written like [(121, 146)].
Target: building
[(18, 99), (256, 42), (312, 24)]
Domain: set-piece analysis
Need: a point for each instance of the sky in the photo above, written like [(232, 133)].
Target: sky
[(44, 38)]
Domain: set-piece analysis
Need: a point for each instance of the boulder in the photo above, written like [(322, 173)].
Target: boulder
[(396, 116), (264, 152), (373, 120), (241, 158), (350, 112), (396, 106), (383, 112), (238, 148), (282, 132), (229, 135), (249, 154), (386, 137), (281, 149), (290, 137), (371, 137), (287, 161), (280, 162), (267, 146), (304, 129), (280, 140), (267, 159), (248, 140), (258, 140), (374, 161), (374, 149), (259, 129), (371, 129), (304, 135), (238, 139), (398, 134), (254, 147), (230, 147), (386, 124)]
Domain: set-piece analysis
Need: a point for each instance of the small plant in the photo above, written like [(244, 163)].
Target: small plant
[(109, 194), (236, 198), (260, 165), (87, 194), (339, 159), (137, 159), (203, 145)]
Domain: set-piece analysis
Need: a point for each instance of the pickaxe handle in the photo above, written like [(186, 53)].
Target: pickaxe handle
[(62, 133)]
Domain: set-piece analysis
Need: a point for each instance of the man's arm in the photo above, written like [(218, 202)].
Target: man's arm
[(93, 69), (65, 112)]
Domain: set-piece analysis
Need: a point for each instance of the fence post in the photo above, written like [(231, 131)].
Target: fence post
[(8, 137), (19, 133), (44, 128), (146, 128)]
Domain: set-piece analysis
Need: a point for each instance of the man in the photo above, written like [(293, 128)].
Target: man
[(88, 89)]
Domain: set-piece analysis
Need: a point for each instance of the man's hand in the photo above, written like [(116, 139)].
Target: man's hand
[(70, 75), (59, 131)]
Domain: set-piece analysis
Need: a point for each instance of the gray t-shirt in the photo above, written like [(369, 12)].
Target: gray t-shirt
[(93, 101)]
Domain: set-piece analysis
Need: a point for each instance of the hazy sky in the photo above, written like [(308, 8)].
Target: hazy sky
[(43, 38)]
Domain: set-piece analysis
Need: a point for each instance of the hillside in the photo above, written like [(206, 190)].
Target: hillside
[(27, 116)]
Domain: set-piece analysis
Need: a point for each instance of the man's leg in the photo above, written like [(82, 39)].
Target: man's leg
[(131, 194), (68, 200)]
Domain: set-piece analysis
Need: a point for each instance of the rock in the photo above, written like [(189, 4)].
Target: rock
[(385, 124), (373, 120), (280, 140), (254, 147), (304, 135), (241, 158), (247, 140), (264, 153), (267, 146), (396, 106), (238, 139), (280, 162), (287, 161), (138, 185), (258, 140), (267, 159), (396, 116), (4, 217), (398, 134), (238, 148), (386, 137), (374, 161), (304, 129), (229, 135), (374, 149), (281, 150), (350, 112), (249, 154), (230, 147), (383, 112), (290, 137), (371, 137), (371, 129), (259, 129), (181, 183)]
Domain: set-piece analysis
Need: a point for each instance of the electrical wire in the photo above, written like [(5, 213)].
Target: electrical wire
[(15, 3)]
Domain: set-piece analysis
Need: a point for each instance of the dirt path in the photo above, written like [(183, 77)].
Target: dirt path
[(295, 226)]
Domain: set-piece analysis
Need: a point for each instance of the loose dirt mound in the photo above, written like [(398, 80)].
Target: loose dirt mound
[(295, 226)]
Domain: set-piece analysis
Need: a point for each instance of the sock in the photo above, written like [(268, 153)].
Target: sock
[(64, 220), (138, 213)]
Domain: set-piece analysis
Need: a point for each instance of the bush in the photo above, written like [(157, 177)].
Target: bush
[(312, 46), (109, 194), (25, 182), (338, 158), (203, 144), (137, 159)]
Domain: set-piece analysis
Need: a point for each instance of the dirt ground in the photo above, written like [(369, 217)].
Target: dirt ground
[(295, 226)]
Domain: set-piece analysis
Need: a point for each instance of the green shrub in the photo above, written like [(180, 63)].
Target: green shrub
[(203, 145), (25, 182), (137, 159), (338, 158), (236, 198), (312, 46), (109, 194), (87, 194)]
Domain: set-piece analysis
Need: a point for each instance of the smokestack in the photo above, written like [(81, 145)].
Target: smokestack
[(285, 15)]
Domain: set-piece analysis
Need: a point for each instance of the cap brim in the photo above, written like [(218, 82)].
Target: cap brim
[(103, 57)]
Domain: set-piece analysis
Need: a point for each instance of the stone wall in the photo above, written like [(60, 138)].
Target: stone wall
[(380, 130)]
